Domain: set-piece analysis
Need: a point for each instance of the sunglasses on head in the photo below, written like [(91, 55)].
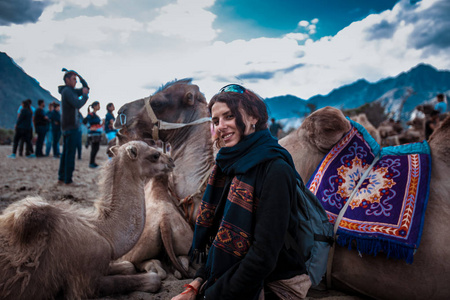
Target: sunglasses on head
[(236, 88)]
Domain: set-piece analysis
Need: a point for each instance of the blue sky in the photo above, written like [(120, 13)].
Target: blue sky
[(253, 19), (128, 49)]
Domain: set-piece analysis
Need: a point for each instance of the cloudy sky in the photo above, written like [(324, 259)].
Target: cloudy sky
[(127, 49)]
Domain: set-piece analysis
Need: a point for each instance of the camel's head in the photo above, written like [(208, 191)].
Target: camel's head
[(176, 102), (325, 127), (143, 159)]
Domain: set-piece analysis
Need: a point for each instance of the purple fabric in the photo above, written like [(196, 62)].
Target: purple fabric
[(386, 214)]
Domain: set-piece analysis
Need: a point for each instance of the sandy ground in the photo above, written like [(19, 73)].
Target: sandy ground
[(22, 176)]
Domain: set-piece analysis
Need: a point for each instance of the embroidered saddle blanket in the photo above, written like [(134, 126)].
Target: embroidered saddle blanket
[(386, 210)]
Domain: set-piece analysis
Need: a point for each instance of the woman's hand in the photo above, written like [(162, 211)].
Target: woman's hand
[(191, 291)]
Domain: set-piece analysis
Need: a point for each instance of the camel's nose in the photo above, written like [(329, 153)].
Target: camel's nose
[(171, 163)]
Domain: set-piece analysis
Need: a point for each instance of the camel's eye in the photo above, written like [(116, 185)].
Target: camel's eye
[(156, 104), (154, 157)]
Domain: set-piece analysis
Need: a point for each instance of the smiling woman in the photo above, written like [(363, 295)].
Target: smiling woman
[(247, 208)]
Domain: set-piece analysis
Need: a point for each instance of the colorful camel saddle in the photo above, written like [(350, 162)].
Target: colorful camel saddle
[(387, 190)]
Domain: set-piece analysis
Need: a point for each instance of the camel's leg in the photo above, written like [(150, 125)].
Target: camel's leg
[(123, 284), (121, 268), (184, 261), (153, 265)]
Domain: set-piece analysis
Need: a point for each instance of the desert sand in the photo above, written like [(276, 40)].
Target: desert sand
[(23, 176)]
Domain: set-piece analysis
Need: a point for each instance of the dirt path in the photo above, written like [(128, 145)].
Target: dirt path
[(22, 176)]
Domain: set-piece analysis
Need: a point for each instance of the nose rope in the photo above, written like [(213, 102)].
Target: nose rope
[(162, 125)]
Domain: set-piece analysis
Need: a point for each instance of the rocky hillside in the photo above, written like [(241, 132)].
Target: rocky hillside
[(15, 86)]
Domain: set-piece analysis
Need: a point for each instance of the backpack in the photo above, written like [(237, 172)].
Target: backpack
[(315, 232)]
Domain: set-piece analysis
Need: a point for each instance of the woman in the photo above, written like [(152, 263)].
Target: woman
[(109, 122), (247, 208), (22, 129), (94, 124)]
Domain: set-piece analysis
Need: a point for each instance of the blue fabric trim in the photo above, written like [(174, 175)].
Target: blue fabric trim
[(373, 246), (367, 137), (406, 149)]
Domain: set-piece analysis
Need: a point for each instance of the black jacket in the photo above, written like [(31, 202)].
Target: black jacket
[(70, 103), (268, 259)]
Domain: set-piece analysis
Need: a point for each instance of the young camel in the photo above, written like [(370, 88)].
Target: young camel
[(166, 228), (60, 250)]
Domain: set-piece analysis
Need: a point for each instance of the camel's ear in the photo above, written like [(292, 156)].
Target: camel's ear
[(189, 98), (114, 150), (132, 152)]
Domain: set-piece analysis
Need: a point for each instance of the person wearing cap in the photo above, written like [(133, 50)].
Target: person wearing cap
[(72, 100)]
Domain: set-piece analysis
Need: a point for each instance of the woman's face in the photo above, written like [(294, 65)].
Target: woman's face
[(96, 107), (225, 124)]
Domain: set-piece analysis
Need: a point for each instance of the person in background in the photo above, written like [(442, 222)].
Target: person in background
[(22, 128), (27, 141), (71, 101), (251, 198), (49, 135), (94, 124), (275, 128), (40, 120), (110, 132), (80, 136), (440, 106), (55, 121)]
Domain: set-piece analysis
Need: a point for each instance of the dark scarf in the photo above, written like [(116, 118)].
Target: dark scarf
[(227, 226)]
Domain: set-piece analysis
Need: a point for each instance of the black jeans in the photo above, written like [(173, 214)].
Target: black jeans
[(94, 150), (41, 131), (67, 161)]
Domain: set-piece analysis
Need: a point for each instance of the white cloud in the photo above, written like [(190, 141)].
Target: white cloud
[(186, 20), (122, 60), (303, 23)]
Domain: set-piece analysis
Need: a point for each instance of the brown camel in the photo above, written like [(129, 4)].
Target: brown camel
[(377, 277), (166, 227), (362, 119), (60, 250), (178, 102)]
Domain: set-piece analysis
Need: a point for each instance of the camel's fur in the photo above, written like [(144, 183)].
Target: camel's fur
[(166, 228), (427, 277), (60, 250), (176, 102), (362, 119)]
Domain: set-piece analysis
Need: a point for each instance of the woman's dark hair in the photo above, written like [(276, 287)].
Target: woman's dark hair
[(26, 104), (109, 106), (95, 103), (251, 103)]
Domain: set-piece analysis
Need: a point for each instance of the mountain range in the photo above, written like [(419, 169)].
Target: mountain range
[(417, 86), (15, 86), (407, 90)]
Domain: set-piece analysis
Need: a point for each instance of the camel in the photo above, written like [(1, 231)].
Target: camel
[(377, 277), (362, 119), (166, 227), (176, 103), (60, 250)]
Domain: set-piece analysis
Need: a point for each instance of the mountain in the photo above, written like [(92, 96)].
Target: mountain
[(416, 86), (15, 86)]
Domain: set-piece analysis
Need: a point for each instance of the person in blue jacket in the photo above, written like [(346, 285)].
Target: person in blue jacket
[(110, 132), (94, 124), (55, 121), (72, 100)]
